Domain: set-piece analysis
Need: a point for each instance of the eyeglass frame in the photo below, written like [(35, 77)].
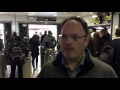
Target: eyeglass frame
[(71, 36)]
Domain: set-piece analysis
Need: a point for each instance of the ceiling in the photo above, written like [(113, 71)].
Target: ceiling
[(48, 14)]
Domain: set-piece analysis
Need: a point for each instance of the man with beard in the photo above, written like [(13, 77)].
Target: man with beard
[(74, 59)]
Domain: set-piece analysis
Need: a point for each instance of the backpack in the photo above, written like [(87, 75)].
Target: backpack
[(49, 41), (106, 55), (17, 51)]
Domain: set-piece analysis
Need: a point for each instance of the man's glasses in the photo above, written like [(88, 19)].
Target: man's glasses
[(74, 37)]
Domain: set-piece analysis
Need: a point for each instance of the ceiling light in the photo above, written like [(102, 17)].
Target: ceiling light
[(94, 15), (91, 13), (46, 19), (55, 15), (30, 13), (78, 16), (24, 25)]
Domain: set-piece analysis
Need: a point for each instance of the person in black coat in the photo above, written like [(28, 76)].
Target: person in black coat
[(116, 57), (104, 39), (34, 42), (42, 50), (17, 61)]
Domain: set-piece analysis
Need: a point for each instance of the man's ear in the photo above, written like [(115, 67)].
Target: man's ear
[(87, 40)]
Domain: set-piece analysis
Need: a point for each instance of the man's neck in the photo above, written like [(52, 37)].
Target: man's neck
[(73, 64)]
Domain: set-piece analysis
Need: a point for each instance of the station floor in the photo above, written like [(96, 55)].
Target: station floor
[(28, 71)]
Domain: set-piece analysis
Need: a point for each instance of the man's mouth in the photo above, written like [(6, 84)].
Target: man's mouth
[(68, 49)]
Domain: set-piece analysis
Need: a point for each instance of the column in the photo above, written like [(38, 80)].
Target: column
[(115, 23)]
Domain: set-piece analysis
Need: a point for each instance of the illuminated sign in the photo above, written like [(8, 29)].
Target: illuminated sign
[(46, 19), (36, 18), (96, 20), (108, 17), (32, 18)]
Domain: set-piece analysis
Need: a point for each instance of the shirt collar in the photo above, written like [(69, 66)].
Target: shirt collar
[(81, 61)]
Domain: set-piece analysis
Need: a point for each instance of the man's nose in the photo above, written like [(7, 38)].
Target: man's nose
[(68, 40)]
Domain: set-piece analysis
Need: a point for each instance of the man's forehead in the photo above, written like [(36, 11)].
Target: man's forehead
[(72, 27), (74, 22)]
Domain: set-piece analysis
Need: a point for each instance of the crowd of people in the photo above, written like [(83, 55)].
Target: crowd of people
[(17, 50), (78, 55)]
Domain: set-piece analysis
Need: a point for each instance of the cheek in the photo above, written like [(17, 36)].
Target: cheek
[(79, 46)]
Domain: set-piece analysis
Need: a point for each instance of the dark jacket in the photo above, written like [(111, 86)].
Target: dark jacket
[(34, 42), (116, 57), (49, 41), (103, 41), (11, 39), (42, 37), (1, 44), (92, 68)]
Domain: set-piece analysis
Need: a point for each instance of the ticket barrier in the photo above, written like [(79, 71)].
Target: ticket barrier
[(50, 54)]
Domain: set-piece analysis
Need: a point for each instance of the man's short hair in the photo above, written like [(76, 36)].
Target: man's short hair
[(80, 20), (49, 32), (45, 32), (14, 34), (94, 29)]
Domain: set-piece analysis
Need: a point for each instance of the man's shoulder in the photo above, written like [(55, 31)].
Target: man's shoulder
[(100, 64), (102, 67), (48, 64)]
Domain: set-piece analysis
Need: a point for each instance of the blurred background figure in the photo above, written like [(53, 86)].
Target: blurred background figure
[(93, 32), (17, 51), (108, 35), (34, 42), (104, 39), (42, 49)]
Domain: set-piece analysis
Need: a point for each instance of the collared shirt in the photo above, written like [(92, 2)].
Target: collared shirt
[(73, 74)]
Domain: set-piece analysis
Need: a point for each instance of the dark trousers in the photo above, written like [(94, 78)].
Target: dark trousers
[(15, 63), (33, 60), (42, 57)]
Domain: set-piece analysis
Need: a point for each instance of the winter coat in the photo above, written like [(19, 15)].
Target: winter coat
[(92, 68), (34, 42)]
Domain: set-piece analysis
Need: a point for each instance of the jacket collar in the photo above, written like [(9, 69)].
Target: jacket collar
[(88, 64)]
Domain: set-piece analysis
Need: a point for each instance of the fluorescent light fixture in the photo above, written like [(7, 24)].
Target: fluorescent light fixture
[(31, 13), (99, 28), (24, 25), (46, 19), (78, 16), (94, 16), (55, 15), (91, 13)]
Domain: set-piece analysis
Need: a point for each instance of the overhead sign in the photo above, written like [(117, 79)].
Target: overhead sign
[(36, 18), (45, 19), (31, 18)]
